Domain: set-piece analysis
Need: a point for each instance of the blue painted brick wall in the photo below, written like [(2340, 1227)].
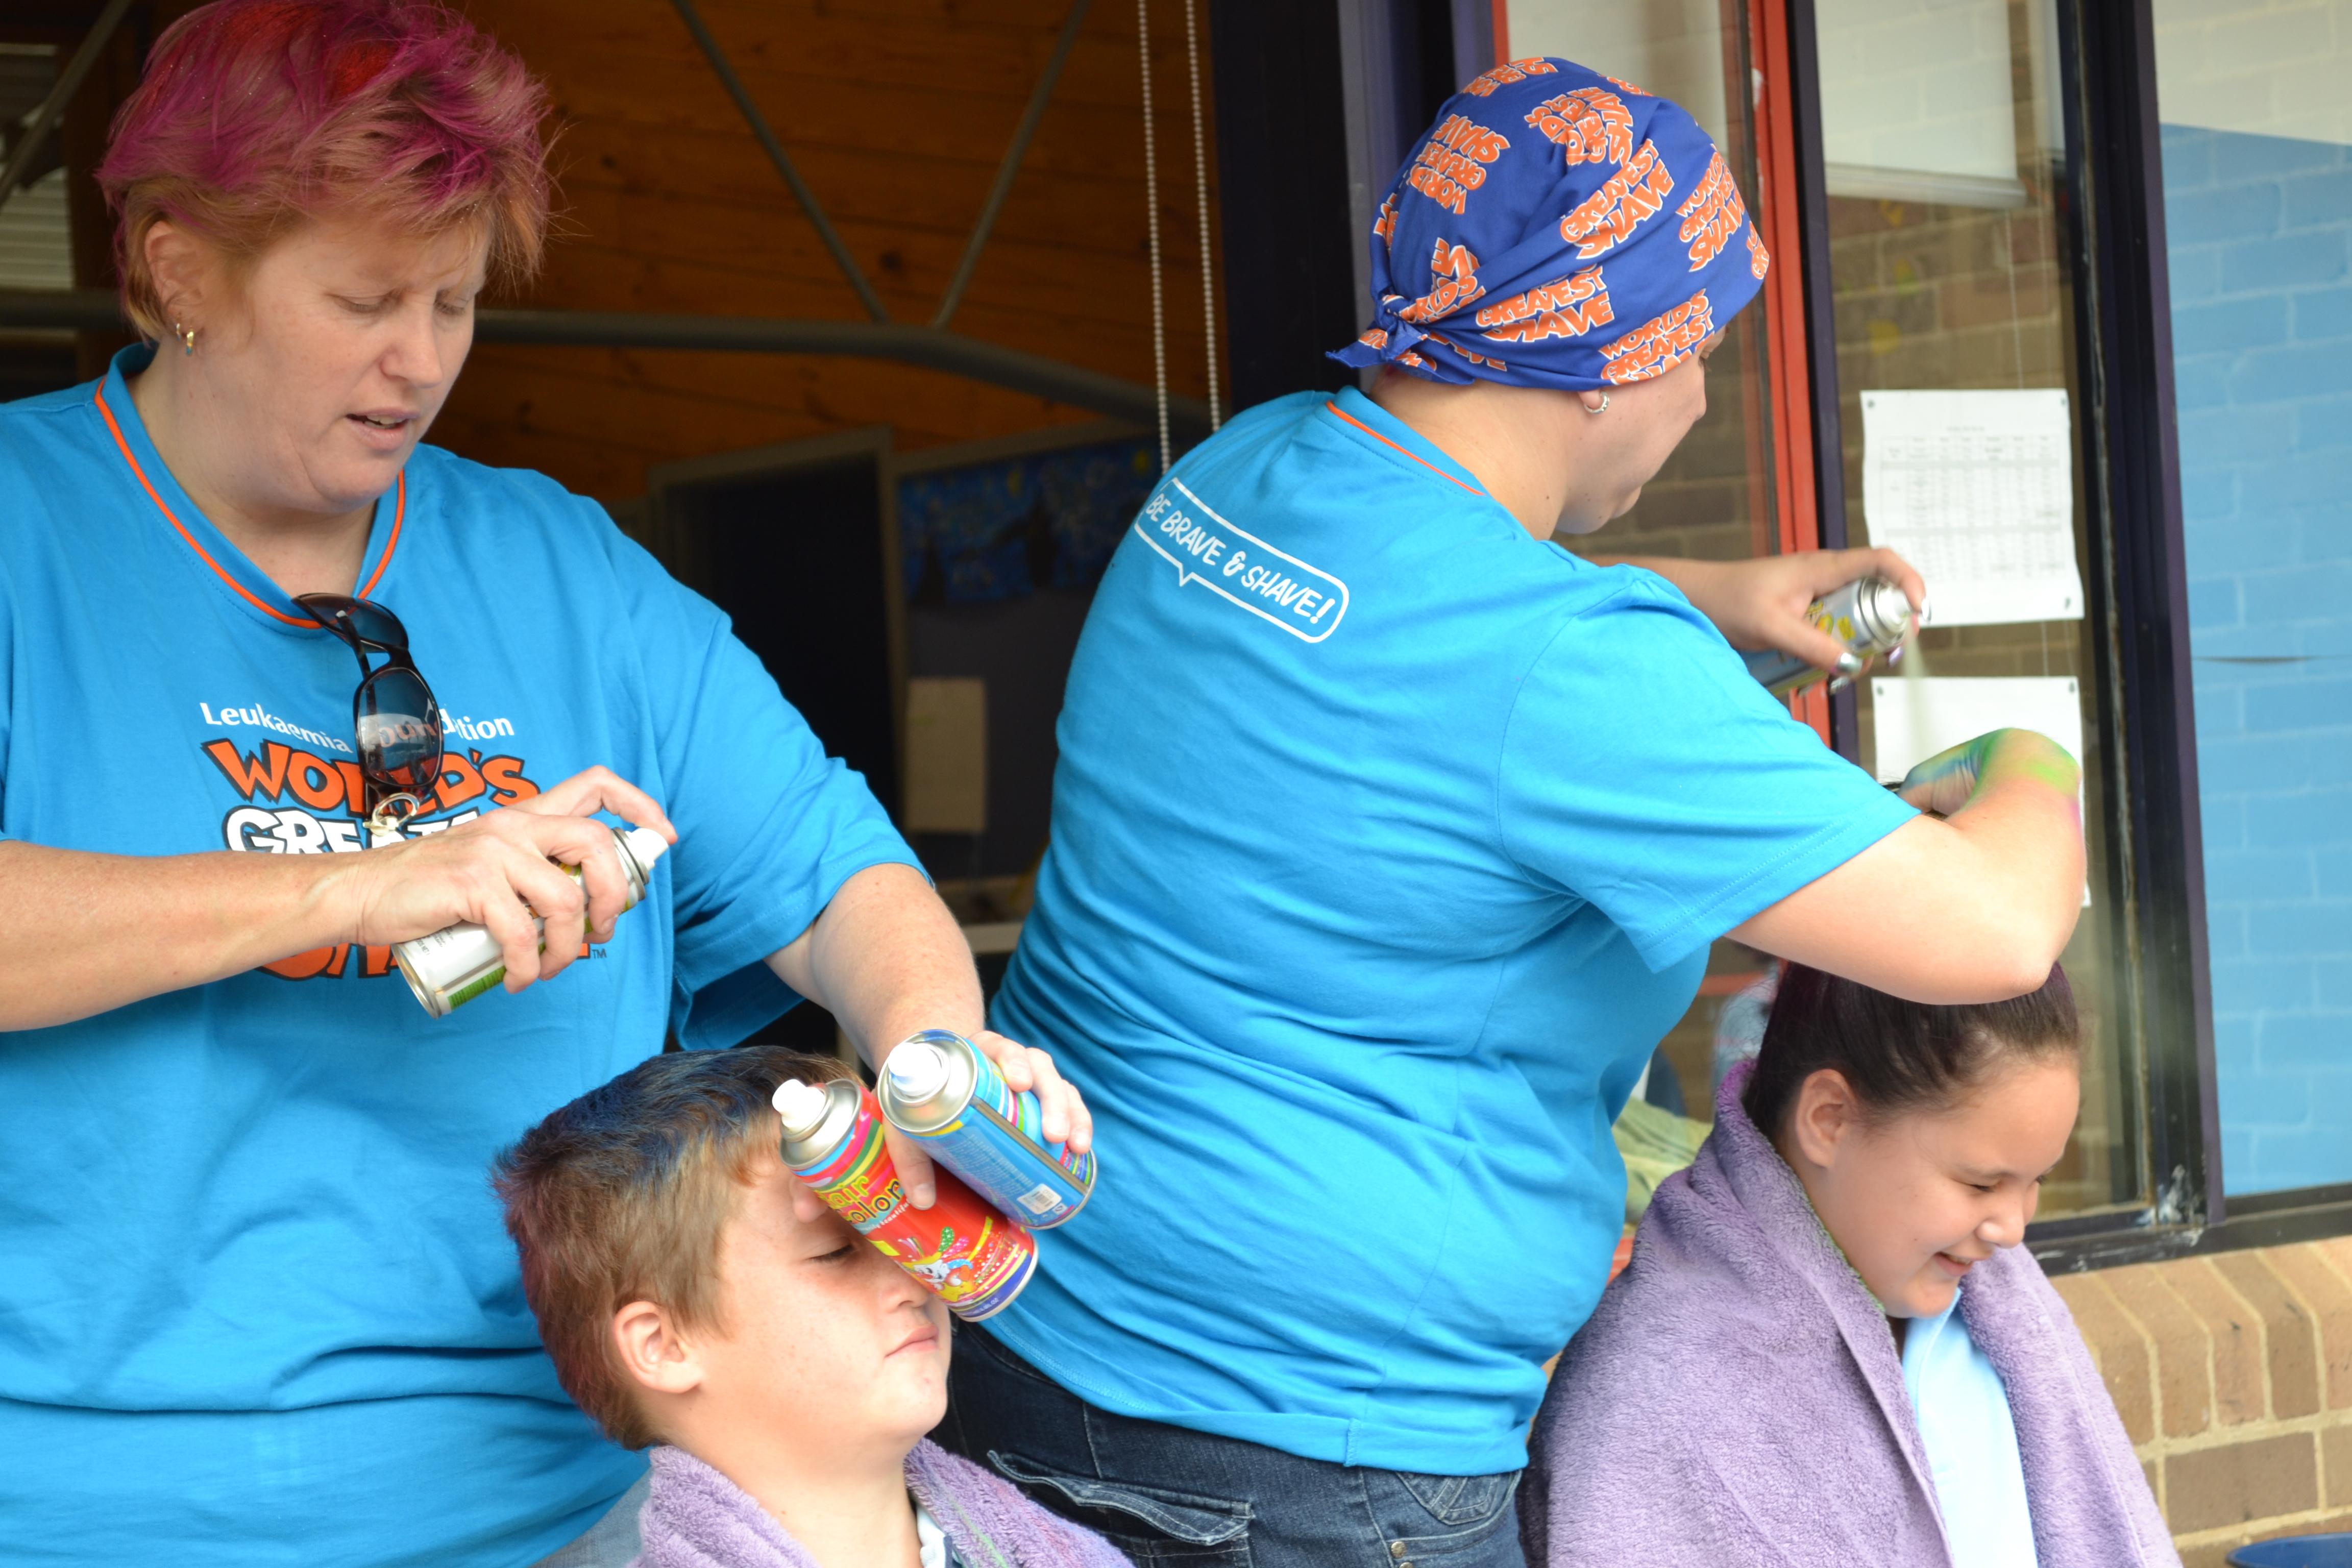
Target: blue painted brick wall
[(2259, 233)]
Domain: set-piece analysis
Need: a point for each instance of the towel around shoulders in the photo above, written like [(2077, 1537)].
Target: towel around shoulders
[(696, 1518)]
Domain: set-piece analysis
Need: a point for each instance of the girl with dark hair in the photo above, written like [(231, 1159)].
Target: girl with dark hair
[(1887, 1376)]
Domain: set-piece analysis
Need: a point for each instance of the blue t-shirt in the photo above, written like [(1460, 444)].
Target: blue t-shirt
[(1970, 1436), (257, 1305), (1388, 842)]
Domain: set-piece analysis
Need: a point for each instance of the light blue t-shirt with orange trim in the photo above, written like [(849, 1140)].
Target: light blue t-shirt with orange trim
[(257, 1305), (1388, 842)]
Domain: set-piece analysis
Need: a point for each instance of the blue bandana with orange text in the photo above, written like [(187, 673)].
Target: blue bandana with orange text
[(1557, 228)]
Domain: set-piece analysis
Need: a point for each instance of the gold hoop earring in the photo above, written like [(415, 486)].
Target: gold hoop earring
[(188, 340), (1588, 407)]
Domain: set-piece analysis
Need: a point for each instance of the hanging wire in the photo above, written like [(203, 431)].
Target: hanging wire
[(1152, 203), (1200, 179)]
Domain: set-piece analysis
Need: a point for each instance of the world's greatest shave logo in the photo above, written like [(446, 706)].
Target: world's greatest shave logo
[(1238, 567)]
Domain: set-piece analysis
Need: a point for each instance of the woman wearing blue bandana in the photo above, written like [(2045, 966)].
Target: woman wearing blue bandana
[(1389, 838)]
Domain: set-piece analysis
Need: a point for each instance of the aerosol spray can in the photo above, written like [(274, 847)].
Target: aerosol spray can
[(961, 1249), (937, 1086), (1870, 616), (457, 963)]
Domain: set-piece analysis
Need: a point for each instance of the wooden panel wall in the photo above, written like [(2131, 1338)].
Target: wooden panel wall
[(897, 113)]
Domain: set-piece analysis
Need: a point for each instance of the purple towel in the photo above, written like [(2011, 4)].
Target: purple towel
[(1738, 1397), (697, 1518)]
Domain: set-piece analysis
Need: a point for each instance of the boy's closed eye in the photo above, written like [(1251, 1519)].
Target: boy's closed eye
[(828, 1239)]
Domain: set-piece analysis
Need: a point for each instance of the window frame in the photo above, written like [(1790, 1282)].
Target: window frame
[(2139, 590)]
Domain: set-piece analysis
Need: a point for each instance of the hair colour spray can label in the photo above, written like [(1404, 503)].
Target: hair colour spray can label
[(963, 1251), (937, 1086)]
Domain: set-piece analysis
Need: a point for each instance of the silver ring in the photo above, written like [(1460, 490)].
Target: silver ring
[(1604, 406)]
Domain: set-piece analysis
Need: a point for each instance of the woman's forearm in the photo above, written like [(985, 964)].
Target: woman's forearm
[(1974, 908), (885, 958), (2022, 817), (2002, 761), (83, 933), (72, 921), (1761, 603)]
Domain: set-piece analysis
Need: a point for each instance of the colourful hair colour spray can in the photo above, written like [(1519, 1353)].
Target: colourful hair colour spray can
[(937, 1086), (961, 1251)]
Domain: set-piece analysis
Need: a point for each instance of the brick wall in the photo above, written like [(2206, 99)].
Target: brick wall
[(2233, 1376), (2259, 238), (2271, 67)]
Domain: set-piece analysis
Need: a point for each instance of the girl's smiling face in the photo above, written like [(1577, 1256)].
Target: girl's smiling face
[(1917, 1198)]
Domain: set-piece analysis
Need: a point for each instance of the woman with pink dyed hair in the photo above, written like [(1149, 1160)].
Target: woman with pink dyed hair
[(256, 1305)]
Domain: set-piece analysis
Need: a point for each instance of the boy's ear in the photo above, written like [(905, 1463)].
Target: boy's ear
[(655, 1352)]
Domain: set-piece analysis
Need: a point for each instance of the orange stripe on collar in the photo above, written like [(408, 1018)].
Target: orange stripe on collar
[(392, 540), (1417, 456), (399, 512)]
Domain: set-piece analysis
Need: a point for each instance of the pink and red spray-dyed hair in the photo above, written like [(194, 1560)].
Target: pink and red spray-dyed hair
[(255, 115)]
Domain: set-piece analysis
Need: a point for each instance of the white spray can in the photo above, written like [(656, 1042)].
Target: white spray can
[(457, 963)]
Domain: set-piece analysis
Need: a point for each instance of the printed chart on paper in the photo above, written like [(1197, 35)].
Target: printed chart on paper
[(1976, 491)]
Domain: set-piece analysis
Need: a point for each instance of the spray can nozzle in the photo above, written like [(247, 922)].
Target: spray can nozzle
[(801, 1105), (918, 1069), (645, 847)]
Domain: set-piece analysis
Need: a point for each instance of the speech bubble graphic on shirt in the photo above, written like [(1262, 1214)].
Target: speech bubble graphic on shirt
[(1238, 567)]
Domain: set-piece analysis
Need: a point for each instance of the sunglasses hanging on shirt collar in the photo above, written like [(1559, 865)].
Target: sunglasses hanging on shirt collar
[(396, 723)]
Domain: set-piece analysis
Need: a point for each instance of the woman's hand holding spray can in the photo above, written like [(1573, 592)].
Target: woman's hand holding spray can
[(453, 965), (1870, 616), (939, 1089)]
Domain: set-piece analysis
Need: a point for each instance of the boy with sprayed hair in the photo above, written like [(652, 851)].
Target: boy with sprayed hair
[(697, 1298)]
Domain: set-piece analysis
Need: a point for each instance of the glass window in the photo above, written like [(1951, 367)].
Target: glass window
[(2257, 128), (36, 250), (1949, 268), (1959, 410), (1715, 499)]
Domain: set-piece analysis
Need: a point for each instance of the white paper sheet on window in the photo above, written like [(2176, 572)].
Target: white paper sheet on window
[(1915, 716), (1976, 491), (946, 755)]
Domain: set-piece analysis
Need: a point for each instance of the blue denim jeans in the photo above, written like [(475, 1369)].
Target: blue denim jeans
[(611, 1542), (1172, 1498)]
